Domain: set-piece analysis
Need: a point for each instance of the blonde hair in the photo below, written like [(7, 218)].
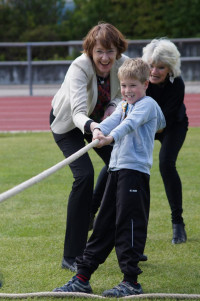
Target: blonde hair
[(134, 68), (107, 34), (164, 51)]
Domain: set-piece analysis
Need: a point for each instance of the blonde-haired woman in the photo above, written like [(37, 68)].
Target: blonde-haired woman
[(167, 88)]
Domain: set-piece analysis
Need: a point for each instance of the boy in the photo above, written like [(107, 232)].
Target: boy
[(123, 217)]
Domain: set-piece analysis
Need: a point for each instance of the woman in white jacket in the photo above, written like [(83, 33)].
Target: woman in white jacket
[(90, 92)]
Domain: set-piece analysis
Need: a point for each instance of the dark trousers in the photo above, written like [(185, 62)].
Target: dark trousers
[(121, 223), (171, 142), (80, 198), (99, 190)]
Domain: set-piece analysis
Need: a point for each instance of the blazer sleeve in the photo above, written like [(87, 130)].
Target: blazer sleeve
[(83, 92)]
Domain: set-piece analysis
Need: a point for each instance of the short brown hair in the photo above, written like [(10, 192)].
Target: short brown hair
[(107, 34), (134, 68)]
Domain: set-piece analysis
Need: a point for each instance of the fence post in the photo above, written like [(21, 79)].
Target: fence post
[(29, 60)]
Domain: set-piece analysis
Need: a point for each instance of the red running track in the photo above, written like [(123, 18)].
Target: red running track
[(25, 113), (31, 113)]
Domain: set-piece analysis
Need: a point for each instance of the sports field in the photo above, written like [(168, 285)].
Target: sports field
[(32, 223)]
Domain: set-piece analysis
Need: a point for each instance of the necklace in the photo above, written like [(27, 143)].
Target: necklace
[(101, 80)]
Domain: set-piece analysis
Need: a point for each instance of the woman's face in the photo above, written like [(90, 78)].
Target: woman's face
[(103, 58), (158, 73)]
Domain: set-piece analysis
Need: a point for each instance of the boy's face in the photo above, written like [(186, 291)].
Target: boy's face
[(132, 89)]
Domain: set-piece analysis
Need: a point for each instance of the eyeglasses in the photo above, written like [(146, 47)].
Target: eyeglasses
[(110, 53)]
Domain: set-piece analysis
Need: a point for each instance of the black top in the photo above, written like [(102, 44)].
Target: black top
[(170, 97)]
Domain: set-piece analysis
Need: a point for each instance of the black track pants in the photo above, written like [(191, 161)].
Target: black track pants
[(121, 223)]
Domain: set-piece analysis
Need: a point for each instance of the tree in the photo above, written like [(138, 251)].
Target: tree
[(137, 19), (182, 18), (29, 20), (48, 20)]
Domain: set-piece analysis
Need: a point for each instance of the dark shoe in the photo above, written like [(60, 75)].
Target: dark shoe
[(69, 264), (143, 257), (92, 218), (75, 285), (179, 234), (125, 288)]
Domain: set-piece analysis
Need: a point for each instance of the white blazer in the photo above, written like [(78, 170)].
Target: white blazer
[(77, 96)]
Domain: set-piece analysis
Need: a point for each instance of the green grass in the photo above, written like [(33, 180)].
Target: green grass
[(32, 223)]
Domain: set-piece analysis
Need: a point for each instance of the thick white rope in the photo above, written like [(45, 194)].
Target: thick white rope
[(17, 189), (164, 296), (49, 294), (84, 295)]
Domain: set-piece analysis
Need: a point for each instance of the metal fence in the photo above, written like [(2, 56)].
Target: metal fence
[(189, 49)]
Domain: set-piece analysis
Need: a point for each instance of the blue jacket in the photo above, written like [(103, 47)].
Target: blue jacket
[(133, 135)]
